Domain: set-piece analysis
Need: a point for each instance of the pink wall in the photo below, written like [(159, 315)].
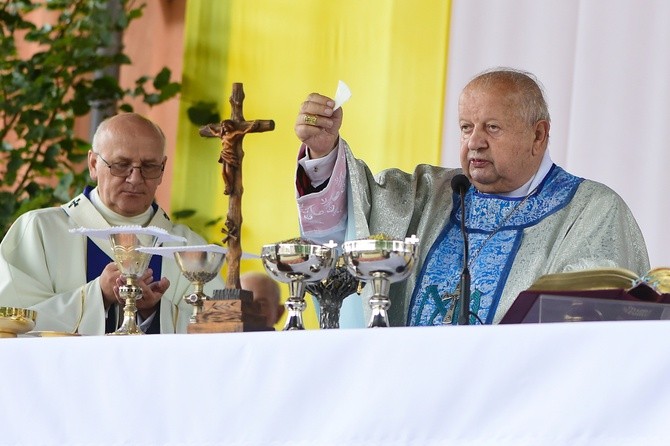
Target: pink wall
[(153, 42)]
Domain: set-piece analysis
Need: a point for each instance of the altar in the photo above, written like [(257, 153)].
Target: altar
[(584, 383)]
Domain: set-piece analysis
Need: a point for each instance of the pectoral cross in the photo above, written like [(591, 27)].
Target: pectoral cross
[(231, 132), (451, 300)]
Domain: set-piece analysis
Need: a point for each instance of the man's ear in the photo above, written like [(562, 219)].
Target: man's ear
[(541, 136), (93, 165)]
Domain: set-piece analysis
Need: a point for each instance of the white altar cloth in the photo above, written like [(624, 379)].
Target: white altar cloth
[(593, 383)]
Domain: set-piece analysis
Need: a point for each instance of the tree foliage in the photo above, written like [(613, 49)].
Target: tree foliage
[(65, 76)]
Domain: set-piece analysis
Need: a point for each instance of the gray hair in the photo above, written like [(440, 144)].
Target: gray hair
[(533, 105)]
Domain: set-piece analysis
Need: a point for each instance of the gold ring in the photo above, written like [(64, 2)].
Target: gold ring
[(310, 119)]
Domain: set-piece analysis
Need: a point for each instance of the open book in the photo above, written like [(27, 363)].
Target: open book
[(651, 286)]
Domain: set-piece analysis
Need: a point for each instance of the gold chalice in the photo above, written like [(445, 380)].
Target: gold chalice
[(16, 321), (132, 263), (125, 242)]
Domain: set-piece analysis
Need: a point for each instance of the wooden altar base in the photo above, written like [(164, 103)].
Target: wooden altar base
[(229, 311)]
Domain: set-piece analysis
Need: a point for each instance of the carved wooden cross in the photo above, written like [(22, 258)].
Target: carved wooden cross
[(231, 132)]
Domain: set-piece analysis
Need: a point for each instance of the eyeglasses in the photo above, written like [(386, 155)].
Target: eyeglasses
[(124, 169)]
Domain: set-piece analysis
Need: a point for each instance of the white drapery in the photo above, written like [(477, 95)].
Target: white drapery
[(605, 66), (589, 383)]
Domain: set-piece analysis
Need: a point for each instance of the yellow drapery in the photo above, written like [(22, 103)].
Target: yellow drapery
[(392, 54)]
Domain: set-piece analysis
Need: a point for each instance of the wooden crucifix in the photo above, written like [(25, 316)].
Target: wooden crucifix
[(231, 132)]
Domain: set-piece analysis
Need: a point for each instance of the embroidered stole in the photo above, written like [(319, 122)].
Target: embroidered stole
[(494, 236)]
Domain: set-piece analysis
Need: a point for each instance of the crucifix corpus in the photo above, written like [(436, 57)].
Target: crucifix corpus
[(231, 133)]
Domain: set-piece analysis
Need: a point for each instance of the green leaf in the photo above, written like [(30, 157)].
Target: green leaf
[(51, 156), (184, 213), (170, 90), (162, 78), (202, 113), (15, 163), (62, 191), (213, 222), (142, 80), (7, 208), (152, 99), (41, 200)]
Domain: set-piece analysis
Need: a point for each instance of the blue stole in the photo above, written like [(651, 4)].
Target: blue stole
[(492, 248)]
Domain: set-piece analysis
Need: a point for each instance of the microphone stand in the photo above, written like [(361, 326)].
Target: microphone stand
[(464, 313)]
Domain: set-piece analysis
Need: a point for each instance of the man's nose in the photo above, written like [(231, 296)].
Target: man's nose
[(135, 175), (477, 139)]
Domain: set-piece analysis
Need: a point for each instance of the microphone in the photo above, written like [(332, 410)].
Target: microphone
[(460, 185)]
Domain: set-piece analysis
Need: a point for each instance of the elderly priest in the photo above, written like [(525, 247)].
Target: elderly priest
[(524, 215), (71, 280)]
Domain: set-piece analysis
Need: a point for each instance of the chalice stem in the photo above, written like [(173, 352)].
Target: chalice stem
[(295, 307), (197, 299), (295, 304), (380, 301), (129, 325), (197, 309)]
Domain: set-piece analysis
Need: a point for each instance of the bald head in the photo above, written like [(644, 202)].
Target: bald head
[(266, 292), (123, 128)]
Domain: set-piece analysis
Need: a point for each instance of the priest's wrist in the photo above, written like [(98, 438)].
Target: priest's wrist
[(311, 154)]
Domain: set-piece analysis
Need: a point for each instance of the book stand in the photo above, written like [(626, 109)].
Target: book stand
[(590, 305)]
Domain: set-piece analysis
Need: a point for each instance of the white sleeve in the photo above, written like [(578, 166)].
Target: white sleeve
[(320, 169)]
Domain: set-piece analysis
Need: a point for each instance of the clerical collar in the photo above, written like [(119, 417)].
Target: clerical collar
[(115, 219), (535, 180)]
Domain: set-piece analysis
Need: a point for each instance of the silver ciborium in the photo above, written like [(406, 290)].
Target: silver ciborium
[(298, 262), (199, 264), (331, 292), (380, 261)]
